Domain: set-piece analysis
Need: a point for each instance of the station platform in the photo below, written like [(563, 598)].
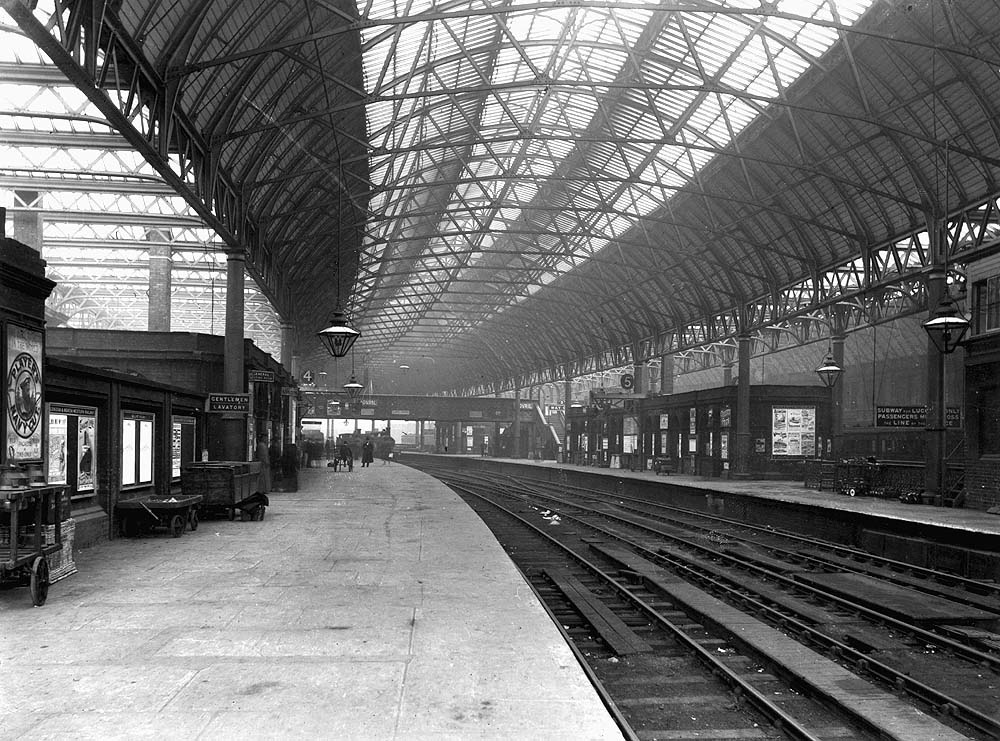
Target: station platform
[(371, 604), (963, 541), (965, 520)]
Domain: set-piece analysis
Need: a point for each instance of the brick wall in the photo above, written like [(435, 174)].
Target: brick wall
[(982, 483)]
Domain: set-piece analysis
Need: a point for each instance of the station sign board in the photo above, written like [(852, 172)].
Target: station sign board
[(228, 403), (913, 416), (260, 376)]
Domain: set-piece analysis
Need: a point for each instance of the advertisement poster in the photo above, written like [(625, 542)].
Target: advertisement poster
[(175, 450), (793, 431), (726, 417), (664, 421), (724, 446), (24, 394), (693, 417), (58, 425), (86, 440)]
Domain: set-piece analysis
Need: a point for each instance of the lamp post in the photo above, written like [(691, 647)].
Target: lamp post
[(339, 337), (353, 388), (945, 329), (829, 373)]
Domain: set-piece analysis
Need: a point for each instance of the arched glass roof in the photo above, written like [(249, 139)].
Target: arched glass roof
[(502, 192)]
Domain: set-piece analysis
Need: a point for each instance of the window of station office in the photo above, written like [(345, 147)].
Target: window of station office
[(137, 448), (73, 448), (986, 300)]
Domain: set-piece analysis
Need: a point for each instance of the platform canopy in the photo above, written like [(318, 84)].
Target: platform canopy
[(513, 191)]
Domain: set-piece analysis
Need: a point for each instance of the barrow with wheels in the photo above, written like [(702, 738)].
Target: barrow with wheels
[(30, 530), (222, 484), (175, 513)]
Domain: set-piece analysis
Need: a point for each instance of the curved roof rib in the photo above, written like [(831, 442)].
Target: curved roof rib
[(510, 189)]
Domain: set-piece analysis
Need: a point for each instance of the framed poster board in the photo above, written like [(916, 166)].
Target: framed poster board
[(72, 445), (137, 448), (182, 443), (793, 431)]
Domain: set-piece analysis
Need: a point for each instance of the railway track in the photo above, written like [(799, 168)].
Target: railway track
[(678, 580)]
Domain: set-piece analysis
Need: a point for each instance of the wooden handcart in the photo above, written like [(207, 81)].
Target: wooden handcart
[(143, 514), (226, 487), (30, 530)]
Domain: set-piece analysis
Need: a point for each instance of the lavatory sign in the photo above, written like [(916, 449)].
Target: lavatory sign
[(24, 394)]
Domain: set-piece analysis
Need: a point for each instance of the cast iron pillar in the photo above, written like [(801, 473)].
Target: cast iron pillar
[(837, 396), (935, 446), (742, 460), (567, 402), (667, 374), (515, 429), (234, 443), (287, 345), (639, 368)]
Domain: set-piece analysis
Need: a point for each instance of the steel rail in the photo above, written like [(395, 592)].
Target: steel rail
[(742, 688), (959, 649), (899, 680), (972, 585)]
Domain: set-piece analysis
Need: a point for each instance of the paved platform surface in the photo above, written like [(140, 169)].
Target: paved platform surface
[(972, 520), (368, 605)]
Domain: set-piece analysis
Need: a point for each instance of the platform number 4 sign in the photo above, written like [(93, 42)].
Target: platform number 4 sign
[(307, 377)]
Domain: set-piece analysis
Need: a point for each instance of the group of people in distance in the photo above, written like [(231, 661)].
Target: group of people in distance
[(383, 447)]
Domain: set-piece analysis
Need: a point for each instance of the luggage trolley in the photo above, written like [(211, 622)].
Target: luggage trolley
[(175, 513), (226, 487), (30, 530)]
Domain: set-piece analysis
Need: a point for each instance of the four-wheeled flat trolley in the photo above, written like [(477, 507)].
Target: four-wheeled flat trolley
[(175, 513)]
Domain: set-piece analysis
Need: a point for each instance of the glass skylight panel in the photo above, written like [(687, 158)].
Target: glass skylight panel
[(596, 53)]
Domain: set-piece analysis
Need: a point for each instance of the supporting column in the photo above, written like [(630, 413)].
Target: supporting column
[(567, 402), (287, 345), (639, 368), (742, 459), (667, 374), (837, 396), (515, 430), (160, 282), (234, 441), (935, 446)]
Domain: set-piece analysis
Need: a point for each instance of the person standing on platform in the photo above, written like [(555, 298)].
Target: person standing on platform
[(367, 452), (346, 456), (263, 455)]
